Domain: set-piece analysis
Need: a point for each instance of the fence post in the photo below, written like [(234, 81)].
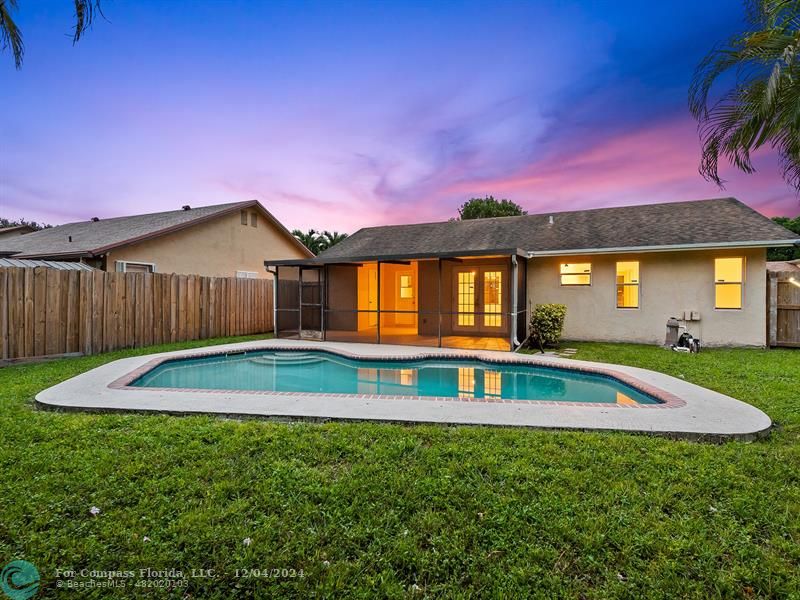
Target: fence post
[(772, 309)]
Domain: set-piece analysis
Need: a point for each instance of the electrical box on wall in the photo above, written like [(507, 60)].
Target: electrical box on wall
[(691, 315)]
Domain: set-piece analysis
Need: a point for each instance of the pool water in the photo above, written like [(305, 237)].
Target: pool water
[(322, 372)]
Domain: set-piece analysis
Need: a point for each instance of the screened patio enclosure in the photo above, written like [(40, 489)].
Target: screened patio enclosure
[(475, 302)]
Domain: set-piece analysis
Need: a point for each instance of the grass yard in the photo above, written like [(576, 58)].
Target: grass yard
[(366, 510)]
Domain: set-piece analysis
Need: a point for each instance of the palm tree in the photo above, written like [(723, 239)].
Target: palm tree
[(329, 239), (11, 36), (310, 240), (763, 106)]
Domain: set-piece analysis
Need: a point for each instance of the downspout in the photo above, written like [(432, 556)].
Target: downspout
[(515, 343)]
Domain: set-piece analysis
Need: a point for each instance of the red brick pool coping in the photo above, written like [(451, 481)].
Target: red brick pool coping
[(665, 399)]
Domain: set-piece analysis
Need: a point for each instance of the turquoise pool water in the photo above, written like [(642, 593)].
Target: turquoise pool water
[(323, 372)]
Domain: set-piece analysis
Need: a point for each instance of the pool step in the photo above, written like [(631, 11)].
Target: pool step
[(287, 359)]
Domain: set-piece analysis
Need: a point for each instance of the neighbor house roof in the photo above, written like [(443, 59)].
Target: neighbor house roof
[(92, 238), (712, 223), (792, 266), (61, 265), (18, 229)]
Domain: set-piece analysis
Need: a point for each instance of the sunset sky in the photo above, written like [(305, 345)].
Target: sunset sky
[(341, 115)]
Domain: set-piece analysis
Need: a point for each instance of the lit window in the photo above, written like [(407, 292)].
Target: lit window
[(492, 383), (628, 284), (406, 291), (728, 281), (492, 298), (576, 273), (466, 382), (466, 298)]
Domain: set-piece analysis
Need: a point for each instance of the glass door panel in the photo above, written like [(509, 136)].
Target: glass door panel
[(466, 299), (492, 298)]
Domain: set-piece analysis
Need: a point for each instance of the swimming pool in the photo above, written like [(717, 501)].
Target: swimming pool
[(326, 373)]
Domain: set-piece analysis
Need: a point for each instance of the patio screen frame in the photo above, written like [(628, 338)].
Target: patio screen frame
[(290, 318)]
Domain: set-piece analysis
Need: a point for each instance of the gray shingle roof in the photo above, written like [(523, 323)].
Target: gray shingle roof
[(716, 221), (90, 237)]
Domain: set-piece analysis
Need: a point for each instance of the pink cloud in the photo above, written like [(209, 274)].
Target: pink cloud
[(654, 164)]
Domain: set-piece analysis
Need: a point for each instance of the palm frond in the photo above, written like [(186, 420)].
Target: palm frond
[(10, 35), (85, 13), (763, 107)]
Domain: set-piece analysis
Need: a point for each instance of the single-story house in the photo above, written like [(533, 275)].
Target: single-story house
[(621, 272), (224, 240), (9, 232)]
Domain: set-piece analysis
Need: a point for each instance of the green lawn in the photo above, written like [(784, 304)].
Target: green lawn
[(366, 510)]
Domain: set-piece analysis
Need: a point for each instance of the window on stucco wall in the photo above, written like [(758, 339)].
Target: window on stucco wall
[(728, 282), (628, 284), (576, 273)]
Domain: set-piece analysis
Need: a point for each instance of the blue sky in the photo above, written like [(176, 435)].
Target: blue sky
[(341, 115)]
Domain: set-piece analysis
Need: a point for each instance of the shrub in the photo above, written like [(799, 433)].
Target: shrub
[(547, 321)]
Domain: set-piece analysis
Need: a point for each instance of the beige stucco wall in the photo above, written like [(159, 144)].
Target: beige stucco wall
[(671, 282), (218, 248)]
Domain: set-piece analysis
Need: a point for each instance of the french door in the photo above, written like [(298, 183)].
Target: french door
[(479, 298)]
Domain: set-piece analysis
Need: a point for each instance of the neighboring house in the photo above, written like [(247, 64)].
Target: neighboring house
[(621, 272), (10, 232), (225, 240)]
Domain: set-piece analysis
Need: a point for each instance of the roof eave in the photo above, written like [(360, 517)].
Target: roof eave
[(666, 248), (319, 261)]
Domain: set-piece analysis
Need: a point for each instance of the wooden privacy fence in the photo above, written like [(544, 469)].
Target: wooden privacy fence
[(783, 309), (49, 312)]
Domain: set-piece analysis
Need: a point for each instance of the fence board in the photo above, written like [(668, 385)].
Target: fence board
[(85, 331), (16, 313), (73, 311), (29, 313), (4, 351)]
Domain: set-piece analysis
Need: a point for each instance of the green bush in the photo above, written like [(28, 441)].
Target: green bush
[(547, 321)]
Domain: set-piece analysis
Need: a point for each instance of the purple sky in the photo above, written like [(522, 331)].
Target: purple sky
[(340, 115)]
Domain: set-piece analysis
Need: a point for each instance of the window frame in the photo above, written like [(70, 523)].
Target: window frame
[(122, 266), (638, 285), (253, 219), (740, 283), (246, 274), (575, 285), (243, 217)]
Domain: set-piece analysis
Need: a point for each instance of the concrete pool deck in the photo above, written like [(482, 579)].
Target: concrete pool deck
[(689, 411)]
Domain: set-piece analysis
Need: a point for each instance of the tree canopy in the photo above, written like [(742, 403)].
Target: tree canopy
[(484, 208), (317, 241), (17, 222), (786, 253)]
